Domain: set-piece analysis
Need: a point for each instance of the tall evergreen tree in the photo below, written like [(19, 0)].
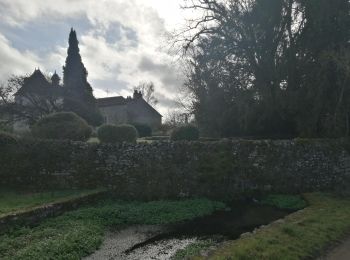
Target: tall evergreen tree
[(75, 73), (79, 96)]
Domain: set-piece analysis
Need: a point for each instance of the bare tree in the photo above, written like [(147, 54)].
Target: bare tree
[(148, 92), (34, 105)]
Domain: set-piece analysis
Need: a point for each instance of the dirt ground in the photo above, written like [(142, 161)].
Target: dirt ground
[(341, 252)]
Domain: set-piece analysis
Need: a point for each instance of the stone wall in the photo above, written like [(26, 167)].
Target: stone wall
[(33, 216), (223, 170)]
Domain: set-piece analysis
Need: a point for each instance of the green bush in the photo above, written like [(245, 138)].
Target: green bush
[(186, 133), (7, 138), (62, 126), (117, 134), (143, 130)]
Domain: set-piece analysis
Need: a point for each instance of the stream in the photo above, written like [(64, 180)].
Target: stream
[(162, 242)]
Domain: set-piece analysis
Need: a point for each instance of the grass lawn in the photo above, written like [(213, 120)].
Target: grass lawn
[(303, 234), (11, 202), (79, 233)]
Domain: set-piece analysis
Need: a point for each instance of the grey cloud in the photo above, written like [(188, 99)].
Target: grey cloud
[(167, 73), (112, 85), (116, 31), (14, 61), (44, 33), (166, 101)]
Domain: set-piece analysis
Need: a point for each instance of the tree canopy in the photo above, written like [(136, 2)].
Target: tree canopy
[(262, 67)]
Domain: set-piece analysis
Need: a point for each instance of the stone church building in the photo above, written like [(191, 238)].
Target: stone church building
[(132, 110)]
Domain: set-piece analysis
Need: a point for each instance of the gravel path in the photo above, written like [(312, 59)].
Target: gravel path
[(116, 243), (341, 252)]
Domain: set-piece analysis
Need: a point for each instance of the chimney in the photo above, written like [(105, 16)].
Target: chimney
[(137, 94)]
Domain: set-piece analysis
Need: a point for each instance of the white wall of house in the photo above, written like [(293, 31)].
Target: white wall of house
[(116, 114), (134, 111), (139, 111)]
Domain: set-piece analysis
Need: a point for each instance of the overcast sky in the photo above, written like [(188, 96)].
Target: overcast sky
[(122, 42)]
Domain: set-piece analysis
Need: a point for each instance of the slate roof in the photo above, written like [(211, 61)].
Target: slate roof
[(119, 101), (34, 83), (111, 101), (38, 84), (146, 105)]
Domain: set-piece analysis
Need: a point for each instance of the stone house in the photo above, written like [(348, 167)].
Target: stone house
[(46, 95), (131, 110)]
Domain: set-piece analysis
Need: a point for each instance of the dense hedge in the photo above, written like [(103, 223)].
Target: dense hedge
[(62, 126), (117, 134), (221, 170), (185, 133)]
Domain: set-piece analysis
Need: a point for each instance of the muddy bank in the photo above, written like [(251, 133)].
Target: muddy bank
[(162, 242)]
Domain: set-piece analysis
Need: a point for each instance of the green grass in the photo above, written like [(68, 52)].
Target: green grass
[(304, 234), (288, 202), (12, 202), (79, 233)]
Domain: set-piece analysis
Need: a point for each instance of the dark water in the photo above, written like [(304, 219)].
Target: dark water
[(221, 225)]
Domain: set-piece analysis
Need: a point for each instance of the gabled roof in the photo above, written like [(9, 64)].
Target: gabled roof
[(121, 101), (151, 108), (35, 83), (111, 101)]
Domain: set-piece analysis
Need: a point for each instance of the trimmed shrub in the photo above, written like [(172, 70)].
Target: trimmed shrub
[(62, 126), (117, 134), (7, 138), (143, 130), (185, 133)]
